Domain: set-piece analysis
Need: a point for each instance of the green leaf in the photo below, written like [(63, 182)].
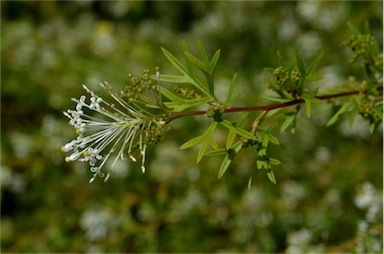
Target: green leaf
[(211, 141), (273, 139), (224, 166), (249, 183), (176, 79), (308, 108), (265, 141), (290, 119), (242, 118), (179, 104), (192, 142), (205, 140), (217, 152), (202, 66), (186, 78), (315, 63), (187, 62), (263, 164), (313, 77), (271, 176), (301, 65), (259, 164), (174, 61), (274, 98), (245, 134), (231, 153), (273, 161), (337, 115), (230, 91), (239, 131), (215, 59), (234, 129), (372, 127), (310, 98), (203, 52), (230, 139)]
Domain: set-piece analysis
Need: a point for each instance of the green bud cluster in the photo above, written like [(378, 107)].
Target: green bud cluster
[(378, 61), (215, 110), (287, 80), (139, 88), (153, 133), (365, 105), (187, 93), (360, 45), (249, 142)]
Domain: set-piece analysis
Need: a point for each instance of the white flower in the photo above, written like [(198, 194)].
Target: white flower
[(110, 130)]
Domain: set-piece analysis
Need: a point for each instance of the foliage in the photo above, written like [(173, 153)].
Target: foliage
[(289, 82), (328, 196)]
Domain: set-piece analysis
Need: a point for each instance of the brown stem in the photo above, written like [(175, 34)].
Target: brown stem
[(272, 106)]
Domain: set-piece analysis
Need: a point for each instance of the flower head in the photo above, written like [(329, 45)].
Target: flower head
[(104, 129)]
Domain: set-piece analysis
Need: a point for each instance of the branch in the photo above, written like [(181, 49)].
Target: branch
[(272, 106)]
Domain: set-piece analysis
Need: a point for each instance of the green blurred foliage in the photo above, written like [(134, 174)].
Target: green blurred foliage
[(329, 191)]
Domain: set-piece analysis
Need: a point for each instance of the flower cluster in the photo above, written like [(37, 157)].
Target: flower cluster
[(360, 45), (287, 79), (117, 130)]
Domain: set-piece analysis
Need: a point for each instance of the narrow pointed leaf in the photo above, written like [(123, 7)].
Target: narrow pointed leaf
[(203, 67), (337, 115), (271, 176), (273, 139), (273, 161), (230, 91), (234, 98), (308, 108), (201, 152), (239, 131), (250, 183), (212, 143), (207, 140), (192, 142), (179, 104), (315, 63), (231, 153), (314, 77), (259, 164), (224, 166), (274, 98), (176, 79), (245, 134), (215, 59), (203, 52), (230, 139), (289, 120), (215, 153), (242, 118), (187, 62), (300, 65), (174, 61)]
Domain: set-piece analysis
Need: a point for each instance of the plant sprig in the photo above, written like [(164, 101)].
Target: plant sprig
[(147, 106)]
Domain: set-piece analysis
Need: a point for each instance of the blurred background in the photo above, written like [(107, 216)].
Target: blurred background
[(328, 196)]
